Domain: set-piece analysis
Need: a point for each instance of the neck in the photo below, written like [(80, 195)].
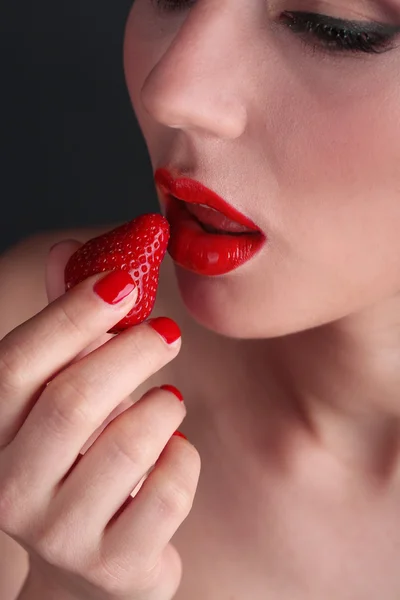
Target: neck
[(337, 386)]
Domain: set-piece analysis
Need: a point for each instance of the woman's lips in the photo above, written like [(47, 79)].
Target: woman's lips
[(215, 221), (194, 192), (194, 248), (208, 235)]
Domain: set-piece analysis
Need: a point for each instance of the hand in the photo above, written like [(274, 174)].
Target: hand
[(87, 537)]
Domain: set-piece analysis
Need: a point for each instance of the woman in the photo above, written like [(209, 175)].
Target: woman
[(289, 112)]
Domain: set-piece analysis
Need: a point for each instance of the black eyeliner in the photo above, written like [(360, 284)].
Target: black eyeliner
[(333, 34), (341, 35), (356, 27)]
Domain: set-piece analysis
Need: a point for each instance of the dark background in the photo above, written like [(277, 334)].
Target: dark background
[(71, 150)]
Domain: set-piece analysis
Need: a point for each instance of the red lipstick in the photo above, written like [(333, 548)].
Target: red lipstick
[(208, 235)]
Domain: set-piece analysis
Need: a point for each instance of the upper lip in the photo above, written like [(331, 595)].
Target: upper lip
[(195, 192)]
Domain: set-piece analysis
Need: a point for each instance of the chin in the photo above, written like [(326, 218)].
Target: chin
[(242, 305), (234, 306)]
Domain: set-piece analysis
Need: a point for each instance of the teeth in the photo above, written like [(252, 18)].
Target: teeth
[(206, 206), (212, 223)]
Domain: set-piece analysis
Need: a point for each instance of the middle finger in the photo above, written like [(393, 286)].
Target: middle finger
[(79, 399)]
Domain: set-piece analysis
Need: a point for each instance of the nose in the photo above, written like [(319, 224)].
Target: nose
[(197, 82)]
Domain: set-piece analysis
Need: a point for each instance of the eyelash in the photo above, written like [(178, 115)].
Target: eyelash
[(334, 35), (339, 35)]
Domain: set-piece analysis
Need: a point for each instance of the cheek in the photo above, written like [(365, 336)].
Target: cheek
[(325, 144), (337, 123), (334, 153), (336, 156)]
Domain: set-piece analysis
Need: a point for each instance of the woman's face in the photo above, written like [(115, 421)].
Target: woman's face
[(296, 132)]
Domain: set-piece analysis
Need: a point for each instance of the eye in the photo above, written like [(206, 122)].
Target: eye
[(339, 35), (173, 5), (331, 34)]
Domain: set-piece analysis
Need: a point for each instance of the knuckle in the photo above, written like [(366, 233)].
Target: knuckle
[(50, 546), (69, 319), (9, 504), (173, 497), (176, 487), (124, 447), (147, 579), (192, 464), (58, 538), (109, 575), (14, 366), (67, 404), (118, 577), (59, 544)]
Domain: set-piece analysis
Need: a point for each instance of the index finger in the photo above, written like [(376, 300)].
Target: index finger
[(35, 351)]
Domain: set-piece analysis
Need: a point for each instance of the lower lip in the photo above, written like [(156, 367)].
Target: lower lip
[(194, 249)]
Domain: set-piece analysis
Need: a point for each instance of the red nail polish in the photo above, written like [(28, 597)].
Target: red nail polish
[(167, 328), (114, 287), (173, 389), (180, 434)]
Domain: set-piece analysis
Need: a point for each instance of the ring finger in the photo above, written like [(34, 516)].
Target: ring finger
[(81, 397), (117, 461)]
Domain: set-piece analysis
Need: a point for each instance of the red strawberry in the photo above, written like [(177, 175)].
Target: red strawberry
[(138, 247)]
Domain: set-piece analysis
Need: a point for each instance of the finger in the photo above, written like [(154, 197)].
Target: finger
[(116, 463), (160, 581), (55, 286), (81, 397), (122, 406), (141, 532), (38, 349), (56, 261)]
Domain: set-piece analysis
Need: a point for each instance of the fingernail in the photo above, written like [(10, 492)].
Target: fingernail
[(180, 434), (173, 389), (53, 246), (167, 328), (114, 287)]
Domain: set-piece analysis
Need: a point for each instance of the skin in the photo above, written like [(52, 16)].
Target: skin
[(289, 365), (307, 144)]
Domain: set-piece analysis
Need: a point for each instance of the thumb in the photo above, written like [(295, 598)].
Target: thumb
[(56, 261)]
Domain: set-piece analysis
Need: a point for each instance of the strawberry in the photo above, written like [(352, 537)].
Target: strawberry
[(139, 247)]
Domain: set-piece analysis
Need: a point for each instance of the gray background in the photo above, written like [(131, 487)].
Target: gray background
[(71, 150)]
